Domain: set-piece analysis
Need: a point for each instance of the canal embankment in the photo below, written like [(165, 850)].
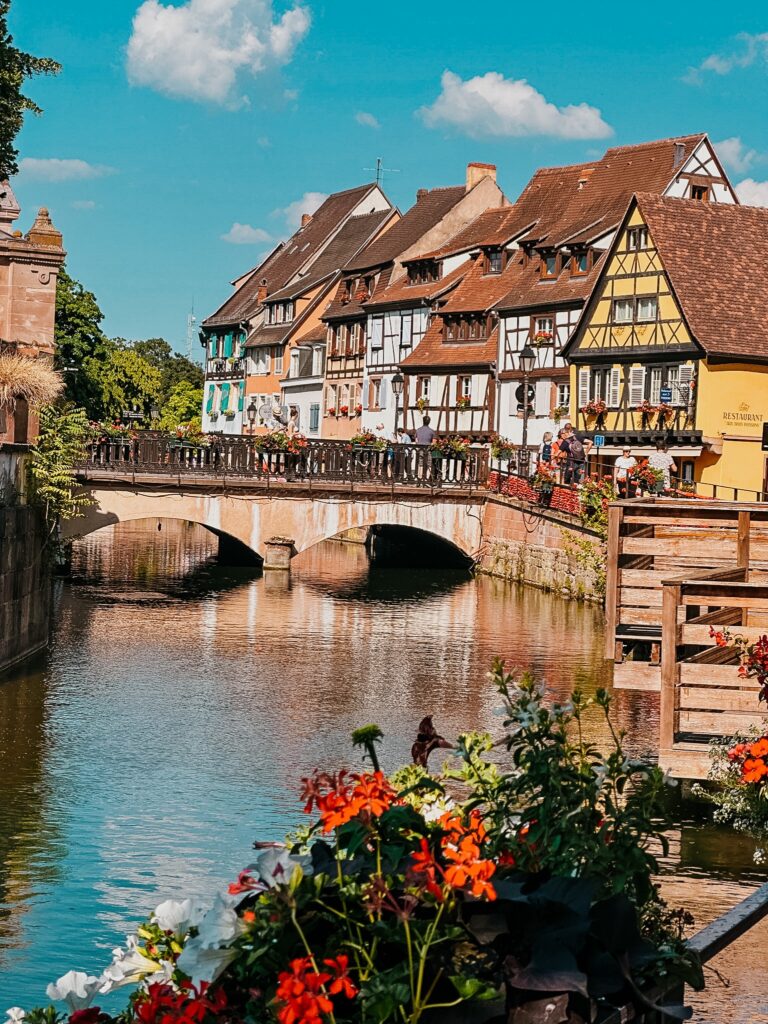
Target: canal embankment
[(25, 588)]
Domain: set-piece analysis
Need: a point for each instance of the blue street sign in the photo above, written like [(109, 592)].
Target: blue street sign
[(599, 440), (665, 395)]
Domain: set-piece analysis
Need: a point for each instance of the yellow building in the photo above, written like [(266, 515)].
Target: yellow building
[(673, 341)]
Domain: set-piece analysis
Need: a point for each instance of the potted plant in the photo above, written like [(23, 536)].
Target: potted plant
[(595, 407), (450, 447), (544, 480), (648, 478), (331, 411), (343, 410), (558, 412), (501, 447), (422, 403), (463, 402), (358, 409), (542, 338), (367, 439)]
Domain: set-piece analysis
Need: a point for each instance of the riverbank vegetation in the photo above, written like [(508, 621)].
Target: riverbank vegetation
[(518, 876)]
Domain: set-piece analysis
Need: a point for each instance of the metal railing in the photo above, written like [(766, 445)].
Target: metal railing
[(331, 461)]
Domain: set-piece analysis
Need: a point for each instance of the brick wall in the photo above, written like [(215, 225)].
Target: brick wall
[(538, 546), (25, 592)]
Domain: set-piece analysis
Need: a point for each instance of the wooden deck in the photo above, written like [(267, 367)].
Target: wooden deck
[(652, 539)]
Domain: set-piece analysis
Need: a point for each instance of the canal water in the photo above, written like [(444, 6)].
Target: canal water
[(181, 702)]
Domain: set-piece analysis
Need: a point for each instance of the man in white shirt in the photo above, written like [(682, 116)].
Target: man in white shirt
[(622, 470)]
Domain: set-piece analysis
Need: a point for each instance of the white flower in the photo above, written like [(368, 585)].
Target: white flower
[(204, 964), (15, 1015), (220, 926), (131, 966), (177, 916), (276, 867), (75, 988)]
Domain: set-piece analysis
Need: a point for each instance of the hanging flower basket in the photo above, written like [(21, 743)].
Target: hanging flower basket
[(593, 408), (463, 402)]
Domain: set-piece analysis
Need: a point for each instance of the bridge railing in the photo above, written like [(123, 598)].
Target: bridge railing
[(332, 461)]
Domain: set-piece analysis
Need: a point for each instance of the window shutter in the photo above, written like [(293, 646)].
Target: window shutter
[(366, 393), (241, 396), (383, 393), (636, 385), (228, 344), (224, 397), (314, 417), (377, 332), (583, 386), (211, 394), (685, 376), (614, 387)]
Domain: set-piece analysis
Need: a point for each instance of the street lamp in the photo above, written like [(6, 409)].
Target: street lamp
[(251, 413), (397, 389), (527, 362)]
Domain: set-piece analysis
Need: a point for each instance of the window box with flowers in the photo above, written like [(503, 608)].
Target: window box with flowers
[(558, 412), (450, 447), (331, 411), (666, 412), (343, 410), (646, 411), (542, 338), (463, 402), (595, 410), (367, 439), (358, 410), (501, 448)]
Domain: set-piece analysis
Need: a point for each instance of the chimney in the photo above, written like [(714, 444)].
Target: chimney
[(305, 219), (476, 173), (261, 294), (421, 193), (584, 177), (679, 154), (43, 232)]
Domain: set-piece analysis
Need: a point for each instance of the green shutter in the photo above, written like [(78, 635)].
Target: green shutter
[(241, 396), (228, 344), (224, 397), (209, 403)]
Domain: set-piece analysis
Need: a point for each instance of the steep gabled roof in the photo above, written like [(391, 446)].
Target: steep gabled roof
[(428, 210), (716, 258), (433, 351), (401, 293), (284, 263), (479, 292)]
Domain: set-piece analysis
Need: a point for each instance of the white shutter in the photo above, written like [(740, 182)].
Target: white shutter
[(655, 389), (583, 386), (383, 393), (366, 393), (683, 391), (636, 385), (614, 387), (377, 332)]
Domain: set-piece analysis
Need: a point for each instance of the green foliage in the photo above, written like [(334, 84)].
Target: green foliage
[(16, 67), (60, 445), (183, 405), (174, 369), (81, 345), (590, 555), (126, 380), (594, 497), (367, 736)]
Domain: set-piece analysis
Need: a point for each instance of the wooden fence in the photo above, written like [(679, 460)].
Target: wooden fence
[(653, 539)]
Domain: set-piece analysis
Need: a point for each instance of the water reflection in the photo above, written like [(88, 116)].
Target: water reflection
[(181, 703)]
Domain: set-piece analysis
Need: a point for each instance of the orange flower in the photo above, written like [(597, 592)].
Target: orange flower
[(424, 863), (341, 983), (248, 916), (339, 802), (301, 991), (760, 748), (753, 770)]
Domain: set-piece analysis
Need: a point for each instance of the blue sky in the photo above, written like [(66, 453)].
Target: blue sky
[(178, 130)]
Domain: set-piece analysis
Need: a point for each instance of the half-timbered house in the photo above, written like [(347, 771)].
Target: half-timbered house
[(575, 212), (673, 340), (406, 291), (245, 339)]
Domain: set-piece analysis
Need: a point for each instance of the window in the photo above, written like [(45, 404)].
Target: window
[(423, 272), (580, 262), (278, 357), (563, 395), (495, 261), (317, 362), (543, 328), (377, 332), (314, 417), (330, 399), (637, 238), (464, 388), (623, 311), (646, 308), (294, 370), (602, 383), (423, 387), (549, 265), (213, 346), (700, 192), (259, 361), (675, 377), (374, 395), (330, 340)]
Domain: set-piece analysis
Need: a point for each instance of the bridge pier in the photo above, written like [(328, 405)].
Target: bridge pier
[(278, 552)]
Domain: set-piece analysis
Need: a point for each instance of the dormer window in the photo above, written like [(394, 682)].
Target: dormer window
[(550, 265), (423, 272), (494, 263), (700, 192), (280, 313), (581, 262), (466, 328), (637, 239)]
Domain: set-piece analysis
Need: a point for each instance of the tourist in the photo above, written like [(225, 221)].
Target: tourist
[(402, 457), (546, 449), (425, 434), (403, 437), (622, 472), (576, 450), (661, 459)]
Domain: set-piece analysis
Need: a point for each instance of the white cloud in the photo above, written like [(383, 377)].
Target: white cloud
[(753, 193), (753, 48), (308, 203), (53, 169), (492, 105), (366, 119), (264, 141), (244, 234), (197, 50), (734, 153), (83, 204)]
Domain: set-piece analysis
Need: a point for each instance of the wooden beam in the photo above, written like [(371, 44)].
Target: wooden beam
[(613, 553), (742, 544), (669, 671), (725, 929)]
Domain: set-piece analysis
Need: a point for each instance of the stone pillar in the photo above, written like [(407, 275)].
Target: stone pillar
[(278, 552)]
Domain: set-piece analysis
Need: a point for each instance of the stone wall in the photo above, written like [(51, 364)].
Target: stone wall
[(25, 591), (545, 548)]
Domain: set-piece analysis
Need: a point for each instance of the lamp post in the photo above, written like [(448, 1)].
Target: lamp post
[(251, 412), (397, 389), (527, 362)]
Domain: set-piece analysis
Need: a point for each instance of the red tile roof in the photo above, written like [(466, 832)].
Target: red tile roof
[(285, 262), (403, 294), (716, 257), (479, 291), (433, 351), (527, 289)]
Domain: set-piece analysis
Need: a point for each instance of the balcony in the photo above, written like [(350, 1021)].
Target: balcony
[(225, 369)]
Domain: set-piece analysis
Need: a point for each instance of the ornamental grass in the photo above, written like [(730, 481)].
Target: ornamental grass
[(32, 380)]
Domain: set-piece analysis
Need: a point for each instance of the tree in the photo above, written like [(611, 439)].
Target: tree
[(80, 343), (15, 67), (60, 445), (173, 367), (125, 380), (184, 404)]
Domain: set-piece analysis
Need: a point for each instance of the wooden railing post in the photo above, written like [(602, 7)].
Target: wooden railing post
[(612, 577), (669, 672), (742, 540)]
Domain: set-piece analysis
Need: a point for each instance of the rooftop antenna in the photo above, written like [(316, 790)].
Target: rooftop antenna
[(191, 321), (381, 170)]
